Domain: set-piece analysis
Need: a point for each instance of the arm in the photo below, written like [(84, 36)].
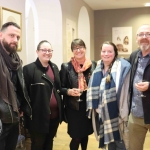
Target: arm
[(65, 84), (64, 78)]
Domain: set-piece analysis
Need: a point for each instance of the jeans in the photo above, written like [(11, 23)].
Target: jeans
[(9, 136), (44, 141)]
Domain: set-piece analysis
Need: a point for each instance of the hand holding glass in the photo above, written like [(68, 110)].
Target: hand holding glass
[(139, 86), (80, 93)]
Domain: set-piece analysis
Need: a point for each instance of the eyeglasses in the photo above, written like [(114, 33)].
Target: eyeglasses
[(75, 49), (142, 35), (46, 50)]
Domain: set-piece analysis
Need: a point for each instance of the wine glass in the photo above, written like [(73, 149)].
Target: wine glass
[(80, 92), (141, 93)]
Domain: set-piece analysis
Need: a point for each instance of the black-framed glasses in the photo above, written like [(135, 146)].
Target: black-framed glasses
[(46, 50), (75, 49), (142, 35)]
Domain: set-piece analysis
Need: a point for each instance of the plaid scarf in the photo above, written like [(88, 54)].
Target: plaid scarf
[(102, 95), (81, 79)]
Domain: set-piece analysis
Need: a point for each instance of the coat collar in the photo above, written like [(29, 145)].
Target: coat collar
[(44, 69)]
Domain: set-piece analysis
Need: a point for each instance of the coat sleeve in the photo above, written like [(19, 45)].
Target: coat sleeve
[(124, 99), (64, 78), (27, 77)]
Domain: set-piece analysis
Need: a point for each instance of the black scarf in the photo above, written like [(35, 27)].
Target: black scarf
[(12, 62)]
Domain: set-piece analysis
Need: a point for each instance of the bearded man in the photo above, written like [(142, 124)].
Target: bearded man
[(139, 119), (13, 94)]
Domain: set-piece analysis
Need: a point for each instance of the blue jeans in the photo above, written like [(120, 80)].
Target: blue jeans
[(9, 136)]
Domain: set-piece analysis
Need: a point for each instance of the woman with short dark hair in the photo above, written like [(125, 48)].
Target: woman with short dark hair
[(74, 79)]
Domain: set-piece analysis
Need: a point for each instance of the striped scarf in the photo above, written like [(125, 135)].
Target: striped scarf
[(102, 95)]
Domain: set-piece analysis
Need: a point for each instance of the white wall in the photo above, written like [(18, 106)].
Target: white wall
[(84, 28)]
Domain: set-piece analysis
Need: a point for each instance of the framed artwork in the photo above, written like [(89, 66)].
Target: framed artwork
[(8, 15), (122, 38)]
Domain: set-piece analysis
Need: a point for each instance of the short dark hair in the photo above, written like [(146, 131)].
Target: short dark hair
[(113, 45), (77, 42), (7, 24), (43, 41)]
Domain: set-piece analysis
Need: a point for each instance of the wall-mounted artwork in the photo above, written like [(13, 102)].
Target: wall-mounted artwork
[(8, 15), (122, 38)]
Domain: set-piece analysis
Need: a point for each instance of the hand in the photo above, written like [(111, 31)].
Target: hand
[(74, 92), (142, 86), (20, 113)]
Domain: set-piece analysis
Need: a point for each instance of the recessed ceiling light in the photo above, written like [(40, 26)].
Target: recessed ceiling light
[(147, 4)]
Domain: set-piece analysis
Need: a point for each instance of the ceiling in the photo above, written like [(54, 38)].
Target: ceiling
[(115, 4)]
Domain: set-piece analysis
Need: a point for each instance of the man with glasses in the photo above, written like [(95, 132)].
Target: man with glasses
[(139, 120)]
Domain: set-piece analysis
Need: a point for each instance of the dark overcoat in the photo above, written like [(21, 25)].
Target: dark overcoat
[(40, 87)]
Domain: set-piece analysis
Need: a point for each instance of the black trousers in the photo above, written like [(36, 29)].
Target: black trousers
[(117, 145), (44, 141), (9, 136)]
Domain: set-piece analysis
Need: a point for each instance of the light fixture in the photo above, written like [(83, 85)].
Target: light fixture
[(147, 4)]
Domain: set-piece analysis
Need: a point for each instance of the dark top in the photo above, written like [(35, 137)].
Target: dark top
[(53, 101), (146, 76)]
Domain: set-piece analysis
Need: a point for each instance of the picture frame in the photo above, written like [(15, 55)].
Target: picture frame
[(122, 38), (8, 15)]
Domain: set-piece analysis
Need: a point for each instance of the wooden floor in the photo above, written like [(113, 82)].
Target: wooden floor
[(61, 142)]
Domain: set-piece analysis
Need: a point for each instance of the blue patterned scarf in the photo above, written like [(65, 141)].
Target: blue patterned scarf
[(102, 95)]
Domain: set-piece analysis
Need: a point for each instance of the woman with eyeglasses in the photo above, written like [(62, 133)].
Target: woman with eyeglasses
[(75, 76), (43, 85)]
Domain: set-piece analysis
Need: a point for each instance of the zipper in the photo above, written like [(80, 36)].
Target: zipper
[(27, 100), (52, 88), (10, 113), (38, 84)]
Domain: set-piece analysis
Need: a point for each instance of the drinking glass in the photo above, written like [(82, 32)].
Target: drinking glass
[(141, 93), (80, 100)]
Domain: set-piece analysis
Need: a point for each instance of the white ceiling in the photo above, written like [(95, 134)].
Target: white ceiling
[(115, 4)]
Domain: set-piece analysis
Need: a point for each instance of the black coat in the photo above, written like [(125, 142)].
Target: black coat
[(7, 115), (146, 76), (40, 86), (79, 125), (69, 80)]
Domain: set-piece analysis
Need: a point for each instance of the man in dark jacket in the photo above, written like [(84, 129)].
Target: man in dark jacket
[(13, 95), (139, 120)]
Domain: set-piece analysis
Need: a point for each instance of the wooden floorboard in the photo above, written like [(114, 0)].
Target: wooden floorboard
[(62, 140)]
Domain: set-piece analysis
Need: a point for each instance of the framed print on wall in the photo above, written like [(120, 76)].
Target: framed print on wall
[(122, 38), (8, 15)]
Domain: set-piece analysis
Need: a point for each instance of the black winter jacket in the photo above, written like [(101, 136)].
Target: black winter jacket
[(7, 115), (40, 87), (69, 80), (146, 76)]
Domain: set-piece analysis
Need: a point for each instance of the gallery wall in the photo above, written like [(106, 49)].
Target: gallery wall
[(104, 20), (47, 20), (71, 10), (19, 6)]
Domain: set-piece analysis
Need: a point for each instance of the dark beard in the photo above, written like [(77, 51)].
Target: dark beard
[(8, 47)]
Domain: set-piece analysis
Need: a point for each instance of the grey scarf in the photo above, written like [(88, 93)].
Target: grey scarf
[(6, 86)]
